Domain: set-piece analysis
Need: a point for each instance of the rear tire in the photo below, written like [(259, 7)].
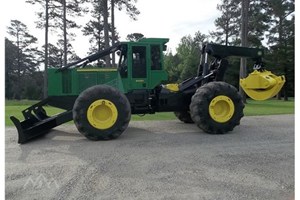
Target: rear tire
[(101, 112), (184, 116), (217, 107)]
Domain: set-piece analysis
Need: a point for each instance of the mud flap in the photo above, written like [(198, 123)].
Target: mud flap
[(262, 85), (37, 122)]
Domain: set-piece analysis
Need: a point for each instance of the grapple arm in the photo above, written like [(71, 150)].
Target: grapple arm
[(222, 51), (259, 85)]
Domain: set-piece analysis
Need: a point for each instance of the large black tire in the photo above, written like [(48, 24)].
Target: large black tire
[(217, 107), (115, 112), (184, 116)]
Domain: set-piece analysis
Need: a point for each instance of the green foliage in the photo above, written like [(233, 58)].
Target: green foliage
[(56, 22), (102, 33), (11, 52), (269, 21), (258, 23), (227, 24), (33, 86), (171, 63), (73, 8), (270, 26), (134, 37), (129, 6), (55, 56), (185, 63), (22, 60), (232, 75), (281, 39), (95, 27)]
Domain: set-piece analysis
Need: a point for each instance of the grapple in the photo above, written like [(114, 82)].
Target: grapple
[(262, 84)]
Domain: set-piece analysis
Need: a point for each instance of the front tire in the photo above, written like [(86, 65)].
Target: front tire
[(217, 107), (101, 112), (184, 116)]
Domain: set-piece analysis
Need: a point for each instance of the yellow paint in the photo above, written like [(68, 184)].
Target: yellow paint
[(174, 87), (140, 81), (102, 114), (221, 109), (262, 85), (97, 70)]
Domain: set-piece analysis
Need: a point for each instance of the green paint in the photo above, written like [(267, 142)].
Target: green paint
[(144, 70)]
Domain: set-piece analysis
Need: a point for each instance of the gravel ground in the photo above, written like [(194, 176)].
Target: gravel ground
[(156, 160)]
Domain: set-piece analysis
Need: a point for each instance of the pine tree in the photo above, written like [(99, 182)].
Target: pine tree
[(26, 59), (55, 56), (184, 63), (11, 65), (61, 18), (95, 29), (227, 25), (52, 16), (281, 40), (102, 31), (258, 22), (134, 36), (45, 6)]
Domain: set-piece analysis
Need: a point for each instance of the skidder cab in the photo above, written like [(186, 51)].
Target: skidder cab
[(101, 100)]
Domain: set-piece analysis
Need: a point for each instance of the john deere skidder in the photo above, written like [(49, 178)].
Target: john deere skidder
[(100, 101)]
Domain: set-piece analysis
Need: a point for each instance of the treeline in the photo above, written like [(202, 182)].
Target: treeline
[(24, 58), (270, 25)]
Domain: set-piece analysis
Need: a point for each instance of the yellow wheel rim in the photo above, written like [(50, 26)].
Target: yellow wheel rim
[(102, 114), (221, 109)]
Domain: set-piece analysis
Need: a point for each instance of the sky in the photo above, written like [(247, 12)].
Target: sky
[(158, 18)]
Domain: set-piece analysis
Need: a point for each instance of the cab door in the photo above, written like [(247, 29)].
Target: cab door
[(139, 71)]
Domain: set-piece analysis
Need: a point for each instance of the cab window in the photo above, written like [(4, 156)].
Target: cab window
[(139, 65), (155, 57)]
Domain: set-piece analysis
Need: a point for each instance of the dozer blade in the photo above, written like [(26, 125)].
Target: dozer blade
[(262, 85), (37, 123)]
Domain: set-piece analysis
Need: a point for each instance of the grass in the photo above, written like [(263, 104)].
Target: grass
[(268, 107), (14, 108)]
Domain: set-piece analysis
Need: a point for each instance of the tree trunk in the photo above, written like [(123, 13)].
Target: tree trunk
[(18, 88), (227, 31), (285, 87), (65, 32), (113, 29), (46, 52), (244, 43), (99, 37), (278, 96), (106, 31)]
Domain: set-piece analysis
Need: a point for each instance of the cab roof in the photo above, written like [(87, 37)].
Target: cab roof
[(150, 41)]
